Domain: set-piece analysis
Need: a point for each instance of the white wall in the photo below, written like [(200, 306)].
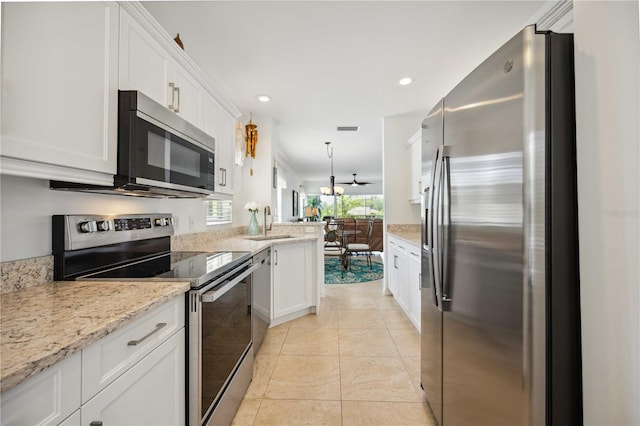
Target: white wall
[(257, 186), (396, 167), (26, 207), (607, 116)]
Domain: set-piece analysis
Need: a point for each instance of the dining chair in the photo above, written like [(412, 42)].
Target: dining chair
[(333, 246), (362, 247)]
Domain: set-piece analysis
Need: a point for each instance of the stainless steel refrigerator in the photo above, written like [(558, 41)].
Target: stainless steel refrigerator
[(500, 279)]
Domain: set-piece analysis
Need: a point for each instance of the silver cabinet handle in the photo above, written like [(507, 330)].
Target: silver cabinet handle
[(172, 86), (140, 340), (177, 90), (276, 256), (395, 261), (223, 176), (96, 423), (419, 281)]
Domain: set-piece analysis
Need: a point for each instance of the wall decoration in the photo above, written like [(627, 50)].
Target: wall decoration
[(295, 203), (275, 177), (251, 136)]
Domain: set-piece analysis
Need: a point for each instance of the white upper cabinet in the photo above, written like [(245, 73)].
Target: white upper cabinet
[(218, 123), (145, 65), (59, 90), (415, 153)]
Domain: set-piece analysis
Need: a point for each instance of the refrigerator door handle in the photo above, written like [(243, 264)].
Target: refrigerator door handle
[(445, 227), (431, 228)]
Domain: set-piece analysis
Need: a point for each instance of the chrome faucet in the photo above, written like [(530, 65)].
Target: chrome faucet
[(267, 211)]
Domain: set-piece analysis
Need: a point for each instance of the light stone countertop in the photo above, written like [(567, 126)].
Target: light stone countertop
[(410, 237), (243, 244), (44, 324)]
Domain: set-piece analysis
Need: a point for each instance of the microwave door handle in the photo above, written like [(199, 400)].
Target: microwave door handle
[(218, 292)]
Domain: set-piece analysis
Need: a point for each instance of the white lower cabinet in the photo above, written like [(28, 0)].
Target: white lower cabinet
[(404, 277), (292, 279), (151, 393), (134, 376), (413, 282), (72, 420), (47, 398)]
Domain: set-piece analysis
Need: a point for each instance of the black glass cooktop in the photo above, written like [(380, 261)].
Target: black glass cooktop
[(196, 267)]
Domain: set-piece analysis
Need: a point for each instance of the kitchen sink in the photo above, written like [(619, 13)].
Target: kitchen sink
[(268, 237)]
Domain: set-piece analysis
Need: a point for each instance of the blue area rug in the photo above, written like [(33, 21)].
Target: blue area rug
[(359, 272)]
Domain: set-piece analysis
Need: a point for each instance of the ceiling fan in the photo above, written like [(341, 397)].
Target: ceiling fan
[(354, 182)]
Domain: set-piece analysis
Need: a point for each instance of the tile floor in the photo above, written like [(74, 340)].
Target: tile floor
[(356, 363)]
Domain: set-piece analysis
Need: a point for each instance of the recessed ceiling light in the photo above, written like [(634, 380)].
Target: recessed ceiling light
[(405, 81), (263, 98)]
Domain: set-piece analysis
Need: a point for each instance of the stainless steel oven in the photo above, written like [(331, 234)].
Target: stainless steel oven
[(220, 349), (218, 306)]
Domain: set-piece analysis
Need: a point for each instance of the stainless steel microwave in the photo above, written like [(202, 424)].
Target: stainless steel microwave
[(159, 153)]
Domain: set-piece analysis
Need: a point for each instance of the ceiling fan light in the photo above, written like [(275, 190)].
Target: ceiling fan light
[(338, 190)]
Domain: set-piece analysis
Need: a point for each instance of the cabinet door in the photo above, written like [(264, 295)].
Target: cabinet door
[(151, 393), (188, 96), (291, 278), (224, 151), (47, 398), (60, 84), (415, 153), (221, 125), (144, 64), (414, 286), (392, 261), (403, 285)]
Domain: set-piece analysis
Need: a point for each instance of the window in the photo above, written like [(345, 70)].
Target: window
[(356, 206), (218, 211)]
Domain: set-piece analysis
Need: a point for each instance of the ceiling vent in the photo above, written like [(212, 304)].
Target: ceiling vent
[(348, 128)]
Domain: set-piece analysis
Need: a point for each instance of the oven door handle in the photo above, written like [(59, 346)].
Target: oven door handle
[(219, 291)]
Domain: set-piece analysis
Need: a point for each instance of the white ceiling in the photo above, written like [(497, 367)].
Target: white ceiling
[(336, 63)]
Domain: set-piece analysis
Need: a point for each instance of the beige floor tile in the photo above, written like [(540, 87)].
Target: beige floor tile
[(273, 340), (305, 341), (413, 369), (305, 377), (287, 412), (371, 413), (366, 342), (246, 413), (396, 319), (376, 379), (263, 366), (358, 301), (327, 318), (387, 302), (360, 319), (407, 342)]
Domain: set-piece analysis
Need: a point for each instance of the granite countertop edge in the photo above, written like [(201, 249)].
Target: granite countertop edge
[(413, 238), (56, 338)]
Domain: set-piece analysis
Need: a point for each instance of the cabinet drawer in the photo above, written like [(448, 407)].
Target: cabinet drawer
[(152, 393), (47, 398), (111, 356)]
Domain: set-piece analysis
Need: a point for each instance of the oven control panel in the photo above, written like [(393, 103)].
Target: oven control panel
[(73, 232)]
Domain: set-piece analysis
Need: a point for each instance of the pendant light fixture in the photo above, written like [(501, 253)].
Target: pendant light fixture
[(332, 189)]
